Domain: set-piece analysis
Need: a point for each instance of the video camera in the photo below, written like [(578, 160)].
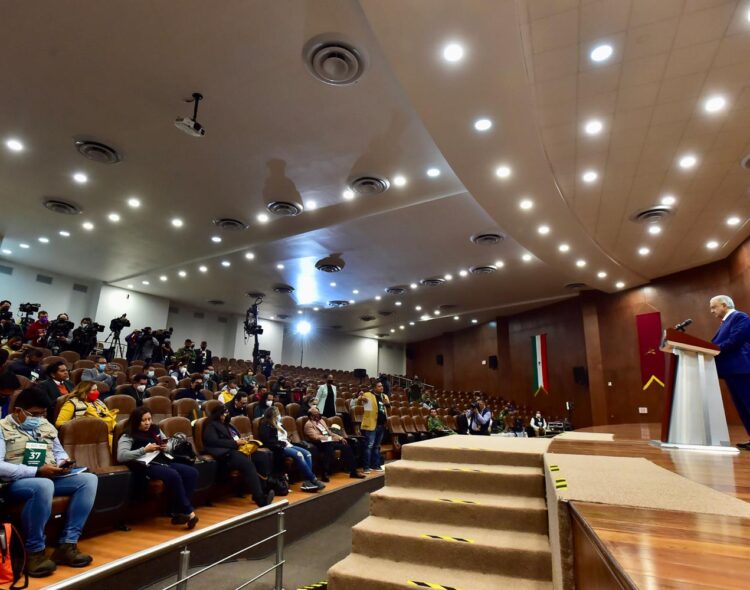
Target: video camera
[(162, 335), (6, 315), (29, 307), (117, 324), (92, 329)]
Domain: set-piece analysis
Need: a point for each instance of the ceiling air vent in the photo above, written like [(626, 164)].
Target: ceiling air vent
[(367, 318), (396, 290), (285, 289), (335, 327), (230, 224), (332, 263), (282, 316), (215, 302), (63, 207), (447, 307), (487, 239), (367, 186), (255, 295), (576, 286), (482, 269), (653, 214), (382, 335), (98, 152), (385, 313), (334, 62), (284, 208), (338, 303), (432, 282)]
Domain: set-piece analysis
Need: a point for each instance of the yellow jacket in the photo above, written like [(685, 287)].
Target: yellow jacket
[(370, 402), (74, 408)]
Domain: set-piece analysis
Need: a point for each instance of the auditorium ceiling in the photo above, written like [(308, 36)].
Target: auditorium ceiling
[(581, 144)]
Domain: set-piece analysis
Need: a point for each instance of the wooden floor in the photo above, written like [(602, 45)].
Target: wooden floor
[(116, 544), (669, 549)]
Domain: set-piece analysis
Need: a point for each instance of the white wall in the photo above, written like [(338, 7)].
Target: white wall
[(143, 310), (392, 358), (330, 350), (218, 335), (272, 339)]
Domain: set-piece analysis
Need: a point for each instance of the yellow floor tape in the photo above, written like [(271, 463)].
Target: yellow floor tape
[(431, 585), (447, 538), (457, 501)]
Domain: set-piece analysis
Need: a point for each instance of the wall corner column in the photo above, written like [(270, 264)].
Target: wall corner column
[(594, 360)]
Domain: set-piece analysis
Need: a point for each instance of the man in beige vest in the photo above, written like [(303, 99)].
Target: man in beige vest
[(33, 461)]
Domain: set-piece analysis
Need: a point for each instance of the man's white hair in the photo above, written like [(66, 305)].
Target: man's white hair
[(725, 299)]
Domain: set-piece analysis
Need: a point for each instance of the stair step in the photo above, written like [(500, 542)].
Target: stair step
[(493, 511), (476, 478), (510, 553), (484, 450), (367, 573)]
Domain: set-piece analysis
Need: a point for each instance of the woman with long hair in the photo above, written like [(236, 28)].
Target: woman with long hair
[(84, 402), (143, 448)]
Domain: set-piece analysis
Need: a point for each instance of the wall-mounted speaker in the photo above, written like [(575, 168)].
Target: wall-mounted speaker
[(439, 359), (492, 361), (410, 354), (581, 375)]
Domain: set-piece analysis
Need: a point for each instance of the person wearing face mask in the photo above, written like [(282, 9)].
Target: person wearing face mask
[(210, 381), (238, 405), (56, 384), (325, 399), (136, 389), (150, 374), (84, 340), (228, 392), (264, 405), (13, 344), (192, 392), (100, 372), (203, 357), (37, 331), (84, 402), (317, 431), (248, 380), (31, 459), (281, 390), (538, 424), (178, 372), (8, 328)]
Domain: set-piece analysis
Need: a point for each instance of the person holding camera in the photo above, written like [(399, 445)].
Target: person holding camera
[(84, 337), (479, 417), (146, 345), (37, 331), (102, 372), (59, 334), (8, 327), (32, 459)]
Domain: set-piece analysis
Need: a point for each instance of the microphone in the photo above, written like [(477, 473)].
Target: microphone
[(682, 325)]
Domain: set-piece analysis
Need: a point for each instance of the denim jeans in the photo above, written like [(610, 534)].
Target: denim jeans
[(180, 480), (37, 494), (303, 458), (371, 456)]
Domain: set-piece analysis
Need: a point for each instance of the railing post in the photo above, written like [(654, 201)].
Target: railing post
[(183, 568), (279, 551)]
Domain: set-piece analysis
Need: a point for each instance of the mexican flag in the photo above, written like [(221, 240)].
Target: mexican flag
[(539, 354)]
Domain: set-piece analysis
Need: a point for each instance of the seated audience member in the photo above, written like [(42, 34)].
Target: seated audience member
[(249, 380), (9, 383), (237, 406), (37, 331), (84, 401), (143, 448), (179, 372), (150, 373), (317, 431), (13, 341), (56, 384), (228, 392), (222, 441), (538, 424), (28, 365), (137, 388), (275, 438), (209, 378), (428, 402), (261, 392), (281, 390), (462, 421), (436, 425), (100, 372), (35, 482), (479, 417), (263, 406), (194, 391), (307, 401), (325, 399)]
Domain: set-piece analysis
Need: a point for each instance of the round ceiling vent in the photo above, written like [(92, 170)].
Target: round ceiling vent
[(334, 62), (367, 318), (482, 269), (385, 313), (653, 214), (230, 224), (215, 302), (286, 289), (61, 206), (284, 208), (576, 286), (367, 186), (396, 290), (282, 316), (487, 239), (98, 152), (338, 303), (331, 263), (432, 282)]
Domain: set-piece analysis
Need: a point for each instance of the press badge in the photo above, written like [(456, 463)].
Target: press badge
[(34, 454)]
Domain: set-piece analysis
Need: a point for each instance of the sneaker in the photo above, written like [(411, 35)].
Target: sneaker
[(68, 554), (266, 499), (320, 484), (40, 565), (309, 487), (378, 469), (191, 523), (745, 446), (356, 475)]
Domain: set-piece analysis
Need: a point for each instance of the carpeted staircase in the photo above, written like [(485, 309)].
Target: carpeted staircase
[(460, 512)]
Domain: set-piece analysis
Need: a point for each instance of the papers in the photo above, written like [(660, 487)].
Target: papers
[(74, 471), (148, 457)]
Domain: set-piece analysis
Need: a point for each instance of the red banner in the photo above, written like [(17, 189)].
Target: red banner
[(649, 339)]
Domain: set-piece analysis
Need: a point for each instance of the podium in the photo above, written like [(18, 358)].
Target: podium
[(694, 416)]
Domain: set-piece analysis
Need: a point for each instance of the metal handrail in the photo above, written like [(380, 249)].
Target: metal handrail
[(118, 565)]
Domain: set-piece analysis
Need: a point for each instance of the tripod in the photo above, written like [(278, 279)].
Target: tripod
[(116, 349)]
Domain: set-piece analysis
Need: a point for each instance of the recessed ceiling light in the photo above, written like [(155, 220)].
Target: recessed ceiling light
[(455, 317), (543, 229), (6, 251), (589, 176), (87, 225), (348, 194), (499, 264), (130, 286), (474, 321), (714, 104), (482, 124), (563, 248), (216, 239), (14, 145), (114, 217), (654, 230), (733, 220), (270, 317), (526, 257), (526, 204), (203, 268), (378, 297), (580, 263), (145, 283), (619, 284), (398, 304), (316, 309), (299, 312), (418, 307), (24, 246), (413, 286), (351, 301), (433, 172), (503, 171), (333, 284), (163, 278), (393, 330), (601, 53), (355, 291), (134, 202), (712, 244), (249, 255), (399, 180), (668, 200), (182, 273), (436, 312), (401, 327), (448, 277), (280, 266), (64, 234), (311, 205), (644, 251), (177, 222), (411, 323), (226, 263), (43, 240), (463, 273), (424, 317), (601, 274), (593, 127), (453, 52), (262, 217), (80, 178), (688, 161)]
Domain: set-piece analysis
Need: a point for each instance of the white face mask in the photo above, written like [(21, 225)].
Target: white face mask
[(232, 391), (269, 403), (183, 370), (141, 388), (150, 373)]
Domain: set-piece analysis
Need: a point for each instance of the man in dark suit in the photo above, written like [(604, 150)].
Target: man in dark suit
[(57, 383), (733, 362)]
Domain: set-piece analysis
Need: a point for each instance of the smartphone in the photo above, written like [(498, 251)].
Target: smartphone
[(67, 464)]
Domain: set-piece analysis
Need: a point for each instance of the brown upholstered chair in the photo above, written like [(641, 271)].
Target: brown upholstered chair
[(187, 408), (124, 403), (206, 465), (46, 361), (256, 427), (299, 427), (167, 381), (75, 376), (159, 406), (208, 407), (293, 410), (84, 364), (70, 356), (290, 425), (243, 425), (280, 407), (158, 390), (251, 410)]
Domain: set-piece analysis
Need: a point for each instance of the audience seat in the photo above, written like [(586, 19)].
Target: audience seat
[(341, 406), (205, 464), (158, 390), (124, 403), (160, 407), (250, 411), (293, 409), (398, 434), (71, 357), (256, 427), (183, 383), (280, 407), (75, 376), (167, 382), (207, 407), (186, 408), (48, 360), (243, 425)]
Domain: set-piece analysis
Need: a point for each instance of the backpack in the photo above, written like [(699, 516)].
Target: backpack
[(13, 560)]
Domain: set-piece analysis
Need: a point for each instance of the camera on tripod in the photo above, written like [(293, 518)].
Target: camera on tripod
[(162, 335), (117, 324), (29, 307), (92, 329)]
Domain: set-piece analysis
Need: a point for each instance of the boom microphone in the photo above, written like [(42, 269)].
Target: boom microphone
[(682, 325)]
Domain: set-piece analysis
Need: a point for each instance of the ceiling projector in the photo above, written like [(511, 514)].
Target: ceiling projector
[(190, 125)]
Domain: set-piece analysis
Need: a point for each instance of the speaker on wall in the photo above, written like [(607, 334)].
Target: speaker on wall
[(410, 353), (360, 373), (439, 359), (581, 375), (492, 361)]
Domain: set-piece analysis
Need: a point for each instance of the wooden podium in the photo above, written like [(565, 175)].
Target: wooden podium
[(694, 416)]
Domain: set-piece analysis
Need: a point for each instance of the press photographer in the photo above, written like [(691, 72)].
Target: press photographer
[(59, 334), (479, 417), (35, 331), (146, 346), (84, 337)]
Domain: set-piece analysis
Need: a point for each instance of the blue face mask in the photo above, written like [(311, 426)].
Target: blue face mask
[(31, 423), (102, 367)]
